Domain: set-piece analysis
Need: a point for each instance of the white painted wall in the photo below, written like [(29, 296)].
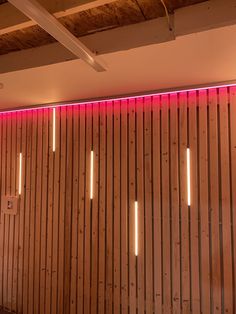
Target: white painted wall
[(193, 59)]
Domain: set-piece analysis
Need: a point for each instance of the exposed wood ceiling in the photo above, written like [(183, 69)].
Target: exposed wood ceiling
[(112, 15)]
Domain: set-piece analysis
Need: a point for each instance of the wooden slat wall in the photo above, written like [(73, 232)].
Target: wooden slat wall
[(66, 253)]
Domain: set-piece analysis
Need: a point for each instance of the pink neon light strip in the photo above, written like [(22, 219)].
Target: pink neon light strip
[(120, 98)]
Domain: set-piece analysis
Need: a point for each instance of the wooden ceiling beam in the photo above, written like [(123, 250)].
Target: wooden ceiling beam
[(11, 19), (194, 19), (35, 11)]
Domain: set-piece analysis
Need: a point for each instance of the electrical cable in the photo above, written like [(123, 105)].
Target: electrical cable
[(167, 14)]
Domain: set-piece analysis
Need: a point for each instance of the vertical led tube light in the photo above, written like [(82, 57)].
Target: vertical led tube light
[(54, 129), (20, 173), (188, 177), (136, 226), (91, 176)]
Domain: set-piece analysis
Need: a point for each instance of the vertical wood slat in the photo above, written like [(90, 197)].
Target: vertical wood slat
[(38, 212), (17, 218), (49, 224), (117, 200), (61, 230), (22, 217), (82, 178), (157, 215), (75, 212), (1, 214), (68, 209), (56, 197), (43, 238), (87, 252), (132, 199), (184, 212), (174, 199), (140, 200), (102, 208), (225, 201), (27, 212), (124, 208), (3, 179), (64, 253), (232, 102), (214, 202), (148, 204), (165, 156), (32, 212), (56, 207), (109, 208), (7, 218), (204, 204), (95, 208), (12, 218), (194, 216)]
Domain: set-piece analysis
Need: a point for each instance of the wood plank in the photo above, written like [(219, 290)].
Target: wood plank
[(32, 212), (1, 214), (87, 247), (185, 248), (81, 235), (56, 210), (61, 240), (157, 214), (148, 203), (225, 202), (165, 159), (22, 216), (117, 213), (27, 211), (43, 242), (124, 208), (95, 208), (131, 202), (68, 210), (217, 306), (194, 213), (3, 184), (49, 215), (102, 209), (109, 209), (6, 302), (12, 217), (232, 108), (140, 200), (38, 208), (175, 205), (75, 212), (12, 20), (204, 204), (17, 218)]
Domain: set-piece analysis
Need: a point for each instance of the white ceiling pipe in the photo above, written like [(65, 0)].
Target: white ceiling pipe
[(51, 25)]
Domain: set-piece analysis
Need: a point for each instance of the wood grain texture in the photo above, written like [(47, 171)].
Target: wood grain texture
[(108, 16), (194, 207), (66, 253), (225, 201)]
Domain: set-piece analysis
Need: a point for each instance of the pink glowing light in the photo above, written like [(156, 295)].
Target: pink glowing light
[(110, 100)]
